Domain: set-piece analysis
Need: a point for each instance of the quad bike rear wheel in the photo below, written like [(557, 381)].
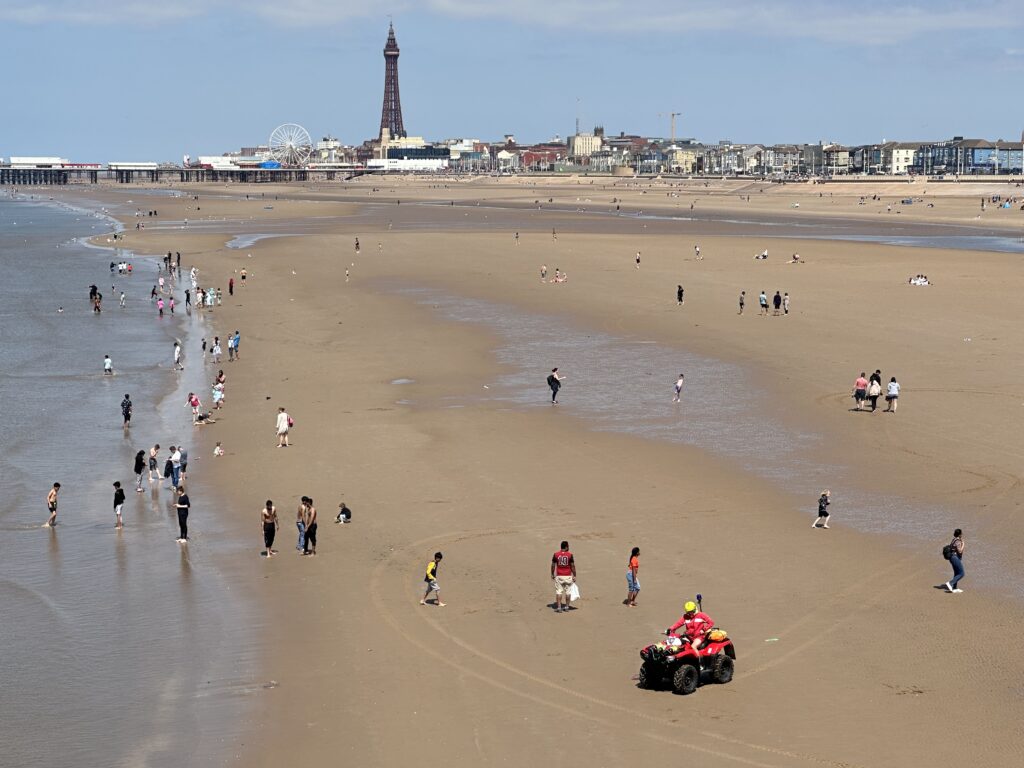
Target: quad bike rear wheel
[(723, 669), (685, 679)]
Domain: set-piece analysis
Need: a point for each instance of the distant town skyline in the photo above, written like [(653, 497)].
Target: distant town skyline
[(115, 81)]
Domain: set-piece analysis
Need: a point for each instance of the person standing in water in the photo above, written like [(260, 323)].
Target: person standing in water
[(678, 388), (51, 505), (118, 503), (139, 469), (183, 506), (126, 410), (555, 382)]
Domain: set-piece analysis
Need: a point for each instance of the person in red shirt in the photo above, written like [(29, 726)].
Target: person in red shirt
[(695, 625), (563, 573)]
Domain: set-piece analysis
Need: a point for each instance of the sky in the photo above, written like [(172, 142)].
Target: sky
[(136, 80)]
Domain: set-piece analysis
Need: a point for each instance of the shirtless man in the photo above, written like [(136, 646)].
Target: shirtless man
[(311, 527), (51, 504), (268, 518), (300, 523), (154, 468)]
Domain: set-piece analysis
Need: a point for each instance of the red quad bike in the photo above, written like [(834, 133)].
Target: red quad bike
[(673, 662)]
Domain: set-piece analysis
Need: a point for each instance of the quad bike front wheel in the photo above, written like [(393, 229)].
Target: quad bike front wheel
[(723, 669), (685, 679), (649, 676)]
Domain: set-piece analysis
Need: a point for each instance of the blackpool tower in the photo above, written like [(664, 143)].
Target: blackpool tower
[(391, 114)]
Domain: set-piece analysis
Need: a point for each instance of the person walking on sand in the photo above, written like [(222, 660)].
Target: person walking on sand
[(215, 349), (108, 366), (126, 410), (563, 573), (638, 259), (268, 516), (51, 505), (679, 295), (154, 467), (678, 389), (139, 469), (785, 304), (777, 303), (300, 523), (632, 580), (311, 526), (284, 423), (118, 503), (696, 250), (183, 506), (177, 356), (543, 273), (823, 501), (874, 390), (231, 286), (743, 300), (956, 559), (892, 395), (431, 579), (860, 391), (763, 301), (555, 382)]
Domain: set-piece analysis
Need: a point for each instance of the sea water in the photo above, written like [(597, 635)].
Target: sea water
[(108, 638)]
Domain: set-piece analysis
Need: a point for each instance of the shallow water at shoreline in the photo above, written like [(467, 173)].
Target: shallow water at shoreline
[(625, 384), (110, 637)]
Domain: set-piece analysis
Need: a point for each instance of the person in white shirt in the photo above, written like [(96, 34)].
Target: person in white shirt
[(892, 395), (283, 425)]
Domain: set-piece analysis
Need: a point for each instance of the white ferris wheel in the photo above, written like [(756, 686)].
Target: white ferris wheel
[(290, 145)]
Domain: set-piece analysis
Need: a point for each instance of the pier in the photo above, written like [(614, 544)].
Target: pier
[(35, 177)]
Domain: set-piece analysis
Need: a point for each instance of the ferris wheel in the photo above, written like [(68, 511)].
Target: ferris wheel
[(291, 145)]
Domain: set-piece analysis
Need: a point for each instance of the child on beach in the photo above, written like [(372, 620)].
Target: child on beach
[(218, 450), (431, 579), (51, 505), (344, 513), (823, 501), (678, 388)]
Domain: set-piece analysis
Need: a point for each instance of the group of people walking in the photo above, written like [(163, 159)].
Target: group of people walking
[(868, 390)]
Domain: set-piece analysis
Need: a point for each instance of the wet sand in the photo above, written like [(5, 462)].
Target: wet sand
[(839, 633)]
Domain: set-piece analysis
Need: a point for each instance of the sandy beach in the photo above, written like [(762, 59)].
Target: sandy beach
[(426, 425)]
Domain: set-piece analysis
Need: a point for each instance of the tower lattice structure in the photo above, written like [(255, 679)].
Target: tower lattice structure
[(391, 114)]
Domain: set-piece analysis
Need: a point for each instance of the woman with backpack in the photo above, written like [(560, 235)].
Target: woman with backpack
[(956, 554)]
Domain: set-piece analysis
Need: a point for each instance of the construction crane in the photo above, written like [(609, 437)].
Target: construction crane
[(672, 117)]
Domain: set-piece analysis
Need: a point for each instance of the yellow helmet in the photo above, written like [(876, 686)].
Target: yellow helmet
[(690, 607)]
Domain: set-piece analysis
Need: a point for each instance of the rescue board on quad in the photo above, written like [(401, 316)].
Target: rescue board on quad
[(673, 663)]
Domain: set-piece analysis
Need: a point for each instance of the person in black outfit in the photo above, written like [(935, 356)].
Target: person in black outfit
[(183, 505), (118, 503), (679, 295), (823, 501), (555, 382), (126, 410), (139, 469)]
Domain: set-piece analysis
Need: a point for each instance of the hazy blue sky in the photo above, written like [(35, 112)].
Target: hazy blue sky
[(102, 80)]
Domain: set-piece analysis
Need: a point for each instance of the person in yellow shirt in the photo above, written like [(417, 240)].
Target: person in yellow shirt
[(431, 579)]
